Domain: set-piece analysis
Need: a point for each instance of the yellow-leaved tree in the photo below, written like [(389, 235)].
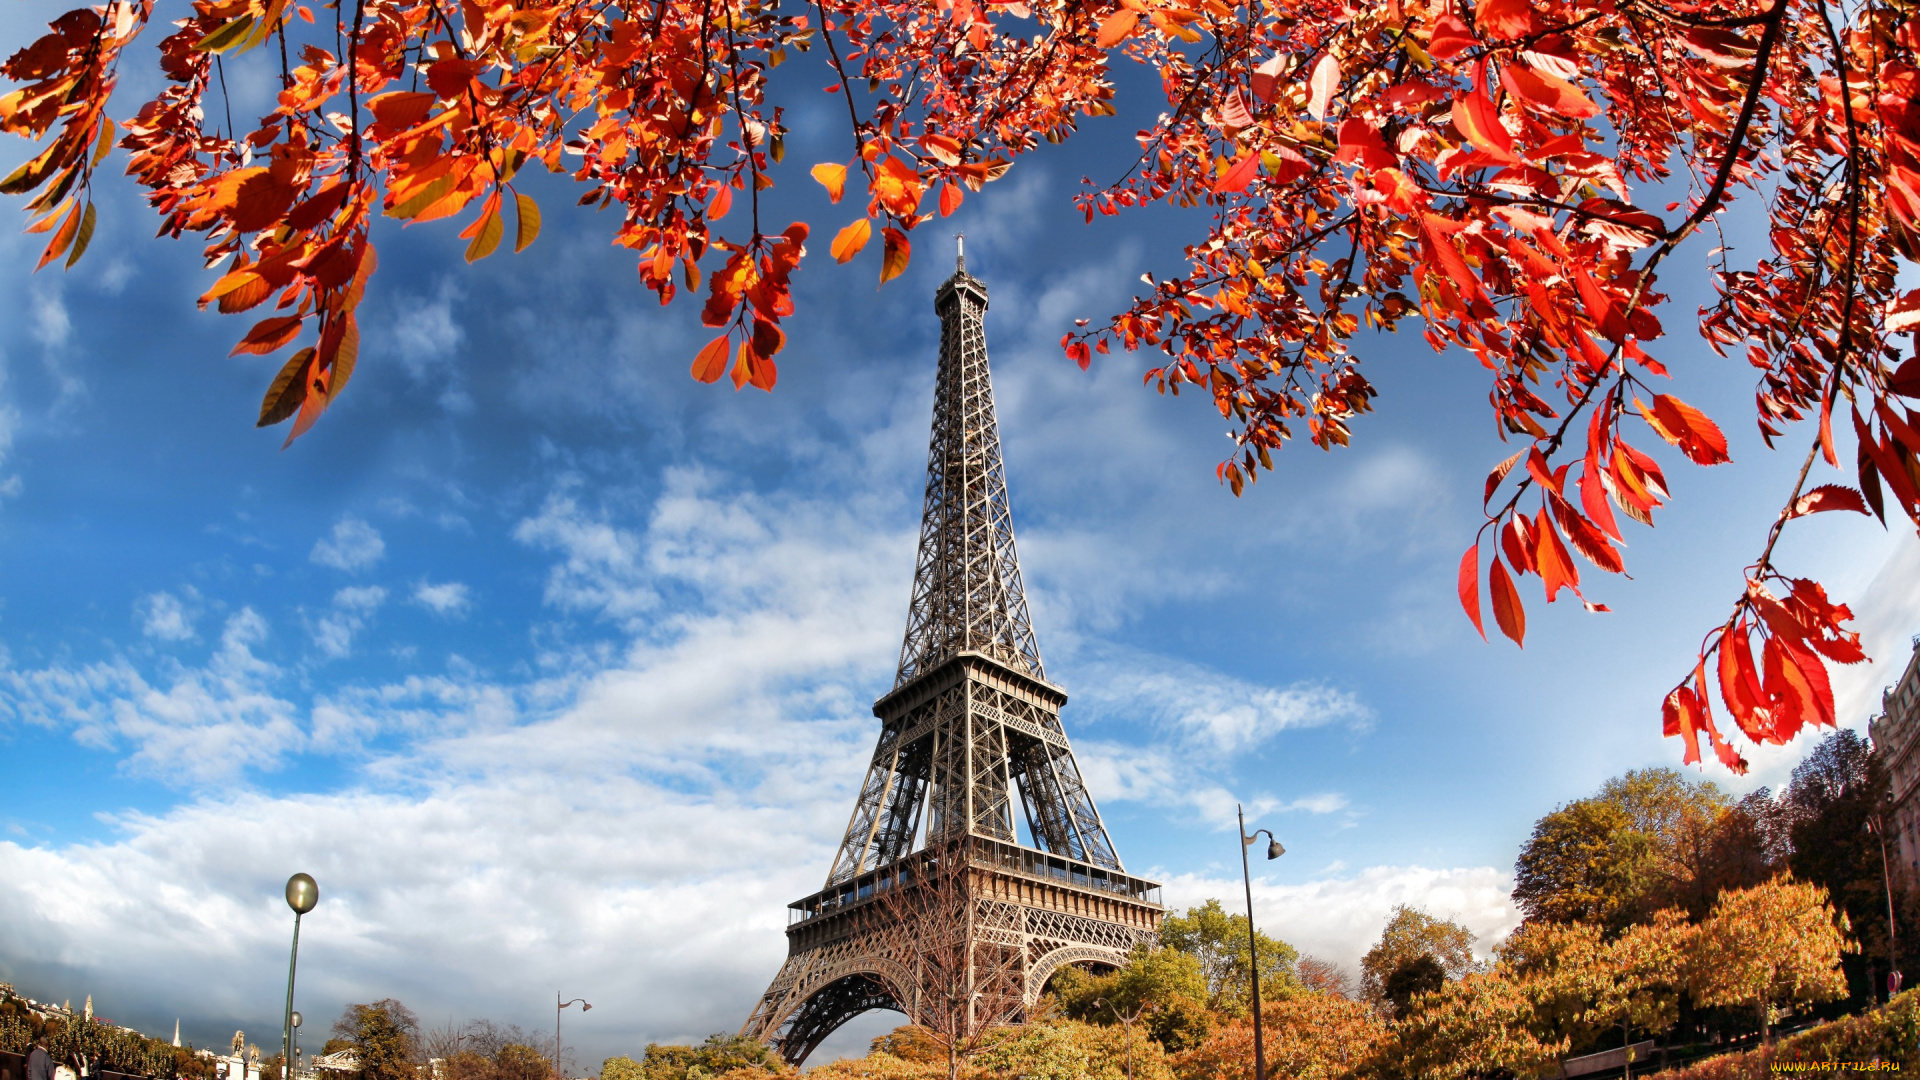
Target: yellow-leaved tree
[(1310, 1036), (1776, 944)]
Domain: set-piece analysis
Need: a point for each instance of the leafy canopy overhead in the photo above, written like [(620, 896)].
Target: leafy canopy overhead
[(1469, 164)]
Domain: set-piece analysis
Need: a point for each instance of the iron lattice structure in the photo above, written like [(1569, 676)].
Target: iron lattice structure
[(936, 906)]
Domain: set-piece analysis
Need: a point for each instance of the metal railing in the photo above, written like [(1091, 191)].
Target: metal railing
[(990, 854)]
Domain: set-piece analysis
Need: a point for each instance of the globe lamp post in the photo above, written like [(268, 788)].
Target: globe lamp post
[(1274, 851), (302, 894)]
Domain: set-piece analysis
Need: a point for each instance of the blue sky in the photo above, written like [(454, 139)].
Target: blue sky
[(554, 667)]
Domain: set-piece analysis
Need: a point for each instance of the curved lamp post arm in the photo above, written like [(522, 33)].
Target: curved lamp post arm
[(558, 1005), (1274, 851)]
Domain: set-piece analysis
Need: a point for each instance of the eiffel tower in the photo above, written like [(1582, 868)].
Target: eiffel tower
[(937, 906)]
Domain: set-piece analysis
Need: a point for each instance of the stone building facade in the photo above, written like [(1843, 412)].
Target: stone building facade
[(1896, 736)]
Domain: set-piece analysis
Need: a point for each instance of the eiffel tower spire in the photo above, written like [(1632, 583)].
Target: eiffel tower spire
[(967, 595), (939, 904)]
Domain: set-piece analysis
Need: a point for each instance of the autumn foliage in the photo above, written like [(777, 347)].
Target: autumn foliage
[(1469, 164)]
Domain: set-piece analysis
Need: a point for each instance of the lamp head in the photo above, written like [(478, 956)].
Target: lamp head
[(302, 893), (586, 1006), (296, 1019), (1274, 850)]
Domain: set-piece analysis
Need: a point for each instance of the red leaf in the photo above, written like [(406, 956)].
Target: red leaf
[(1498, 474), (1479, 121), (722, 202), (1517, 541), (1688, 428), (1450, 36), (1680, 714), (1240, 175), (1828, 497), (950, 197), (1470, 587), (1504, 18), (1266, 78), (1550, 554), (1508, 611)]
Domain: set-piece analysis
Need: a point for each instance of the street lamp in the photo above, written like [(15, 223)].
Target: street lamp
[(1878, 827), (1127, 1022), (290, 1067), (557, 1006), (1274, 851), (302, 894)]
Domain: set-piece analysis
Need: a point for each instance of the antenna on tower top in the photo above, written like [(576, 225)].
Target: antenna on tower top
[(960, 253)]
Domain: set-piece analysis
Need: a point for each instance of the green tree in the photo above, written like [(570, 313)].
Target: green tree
[(1164, 988), (1411, 934), (1648, 840), (384, 1037), (1071, 1050), (1219, 942), (1585, 862), (721, 1054), (621, 1068)]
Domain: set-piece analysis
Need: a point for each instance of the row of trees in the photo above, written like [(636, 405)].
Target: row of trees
[(387, 1040), (1661, 905), (99, 1044), (1655, 840)]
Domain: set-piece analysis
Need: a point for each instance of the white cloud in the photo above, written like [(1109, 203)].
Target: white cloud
[(353, 545), (165, 617), (447, 598), (495, 835), (1340, 918), (207, 725), (1218, 711), (52, 326), (353, 608)]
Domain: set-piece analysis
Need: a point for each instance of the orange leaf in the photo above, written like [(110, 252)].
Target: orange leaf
[(851, 239), (1508, 611), (722, 202), (1479, 121), (833, 178), (61, 238), (898, 251), (268, 335), (1469, 587), (1117, 27), (950, 197), (742, 365), (712, 361)]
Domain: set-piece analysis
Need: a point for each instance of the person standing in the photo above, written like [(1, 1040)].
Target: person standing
[(39, 1062)]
